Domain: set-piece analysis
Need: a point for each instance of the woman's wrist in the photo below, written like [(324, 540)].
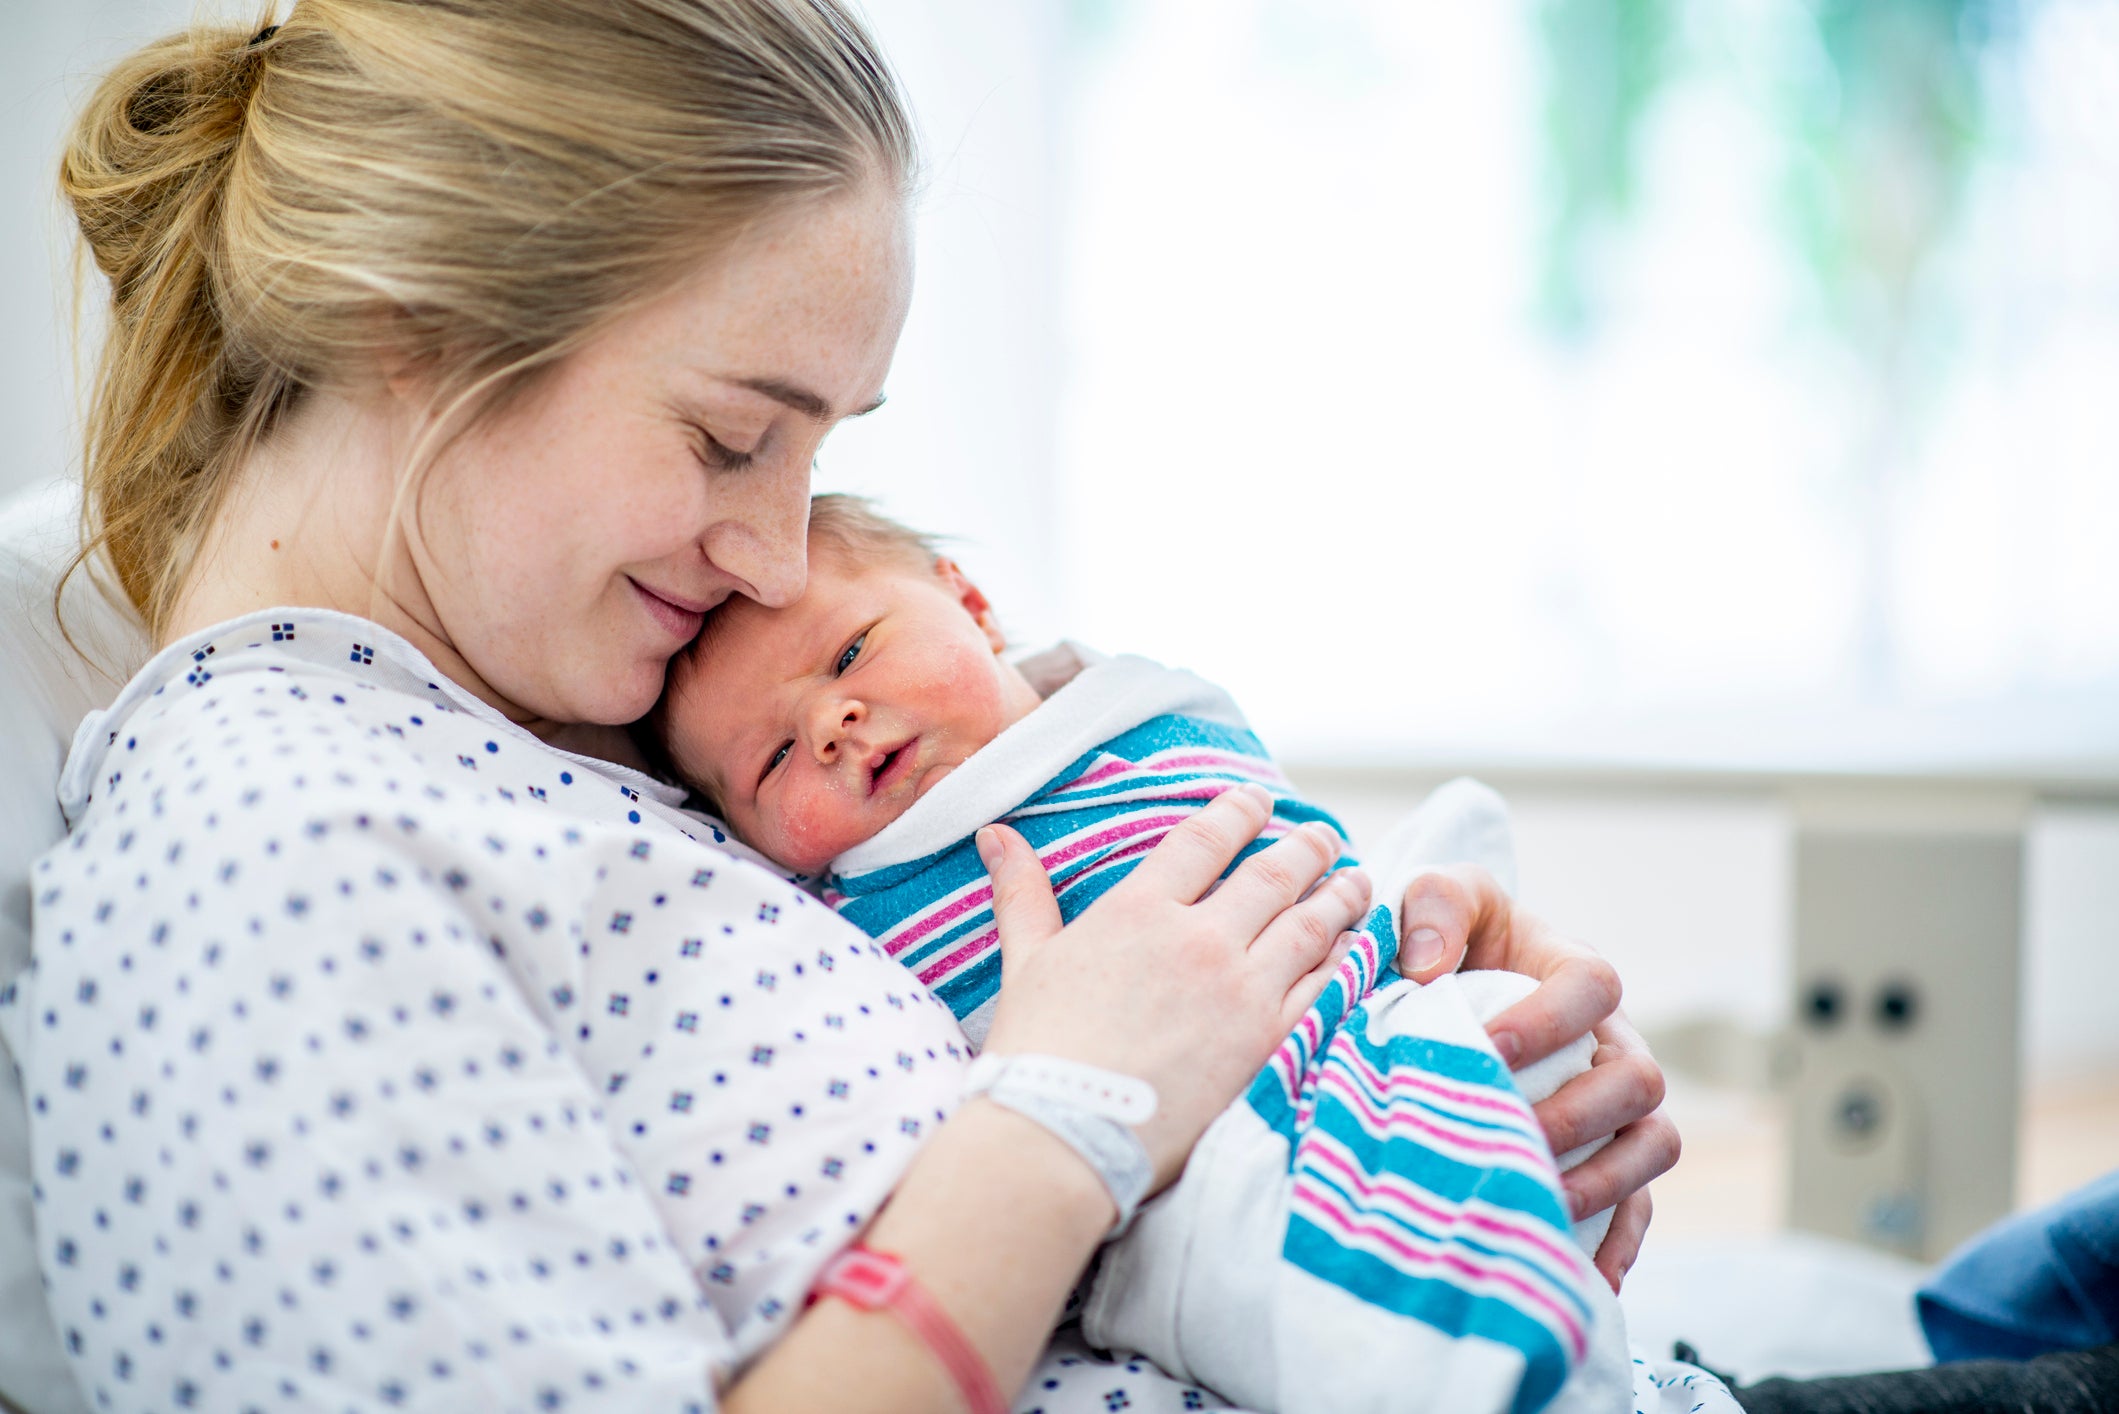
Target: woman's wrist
[(996, 1219), (1079, 1197), (1089, 1109)]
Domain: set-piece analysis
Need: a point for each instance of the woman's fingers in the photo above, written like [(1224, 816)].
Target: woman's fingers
[(1191, 857), (1622, 1084), (1641, 1152), (1622, 1242), (1576, 992), (1304, 935), (1269, 881), (1620, 1087), (1024, 910), (1310, 985)]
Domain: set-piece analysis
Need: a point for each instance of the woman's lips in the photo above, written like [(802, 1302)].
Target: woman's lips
[(679, 620)]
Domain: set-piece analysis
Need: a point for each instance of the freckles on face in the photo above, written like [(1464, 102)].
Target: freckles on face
[(543, 627), (575, 536)]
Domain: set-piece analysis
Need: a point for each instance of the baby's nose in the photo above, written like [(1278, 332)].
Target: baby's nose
[(834, 727)]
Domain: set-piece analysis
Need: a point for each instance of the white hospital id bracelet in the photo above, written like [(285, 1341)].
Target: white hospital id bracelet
[(1088, 1109)]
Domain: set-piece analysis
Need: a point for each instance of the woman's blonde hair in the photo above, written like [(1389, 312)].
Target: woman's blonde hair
[(477, 185)]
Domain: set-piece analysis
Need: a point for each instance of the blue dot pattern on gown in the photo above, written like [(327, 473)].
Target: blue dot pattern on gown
[(380, 1056)]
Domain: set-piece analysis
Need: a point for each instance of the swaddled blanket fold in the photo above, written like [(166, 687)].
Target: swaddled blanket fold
[(1390, 1169)]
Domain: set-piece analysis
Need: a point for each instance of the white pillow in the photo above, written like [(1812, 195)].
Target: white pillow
[(46, 688)]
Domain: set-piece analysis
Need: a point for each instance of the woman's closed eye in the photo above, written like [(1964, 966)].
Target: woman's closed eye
[(717, 455)]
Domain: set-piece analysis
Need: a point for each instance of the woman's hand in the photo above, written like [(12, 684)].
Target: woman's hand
[(1190, 994), (1578, 992)]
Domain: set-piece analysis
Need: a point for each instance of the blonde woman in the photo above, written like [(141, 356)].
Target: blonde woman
[(390, 1041)]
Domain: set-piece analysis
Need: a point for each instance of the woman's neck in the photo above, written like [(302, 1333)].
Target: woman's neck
[(302, 522), (312, 520)]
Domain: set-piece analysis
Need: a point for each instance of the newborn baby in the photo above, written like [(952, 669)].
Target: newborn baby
[(1382, 1186)]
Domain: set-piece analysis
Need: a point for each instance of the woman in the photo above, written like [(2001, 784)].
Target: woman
[(384, 1043)]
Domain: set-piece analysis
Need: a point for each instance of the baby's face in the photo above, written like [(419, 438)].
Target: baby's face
[(816, 725)]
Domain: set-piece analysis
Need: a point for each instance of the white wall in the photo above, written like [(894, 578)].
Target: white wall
[(50, 53), (966, 446)]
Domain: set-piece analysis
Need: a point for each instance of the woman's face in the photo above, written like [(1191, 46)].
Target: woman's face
[(573, 540)]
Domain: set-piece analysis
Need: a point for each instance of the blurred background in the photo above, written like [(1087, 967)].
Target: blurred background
[(1690, 415)]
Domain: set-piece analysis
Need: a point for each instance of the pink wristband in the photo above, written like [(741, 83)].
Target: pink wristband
[(878, 1281)]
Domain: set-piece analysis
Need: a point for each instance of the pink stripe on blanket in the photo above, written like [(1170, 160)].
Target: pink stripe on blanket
[(1380, 1195), (916, 929), (1247, 766), (1123, 830), (1101, 773), (926, 923), (937, 971), (1509, 1105), (1212, 761), (1315, 1200), (1387, 1119)]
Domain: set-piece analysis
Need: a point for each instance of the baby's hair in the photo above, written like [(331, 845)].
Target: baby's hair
[(854, 527)]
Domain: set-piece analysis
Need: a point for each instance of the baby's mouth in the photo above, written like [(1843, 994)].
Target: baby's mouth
[(886, 768)]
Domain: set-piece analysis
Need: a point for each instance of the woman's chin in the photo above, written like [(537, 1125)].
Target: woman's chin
[(619, 695)]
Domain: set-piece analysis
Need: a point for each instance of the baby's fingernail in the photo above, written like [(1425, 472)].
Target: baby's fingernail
[(1257, 792), (988, 845), (1510, 1045), (1425, 949), (1575, 1204)]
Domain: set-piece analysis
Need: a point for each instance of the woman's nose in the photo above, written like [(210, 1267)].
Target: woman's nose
[(764, 543)]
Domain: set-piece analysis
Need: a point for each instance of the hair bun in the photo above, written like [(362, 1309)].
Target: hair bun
[(145, 158)]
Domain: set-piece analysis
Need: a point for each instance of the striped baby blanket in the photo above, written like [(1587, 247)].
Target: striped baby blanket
[(1421, 1201)]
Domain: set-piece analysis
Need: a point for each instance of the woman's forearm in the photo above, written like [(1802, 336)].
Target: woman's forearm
[(996, 1218)]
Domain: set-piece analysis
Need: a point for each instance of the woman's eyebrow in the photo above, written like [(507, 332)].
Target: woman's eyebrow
[(801, 399)]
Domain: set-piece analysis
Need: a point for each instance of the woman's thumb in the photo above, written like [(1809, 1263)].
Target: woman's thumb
[(1434, 926), (1024, 909)]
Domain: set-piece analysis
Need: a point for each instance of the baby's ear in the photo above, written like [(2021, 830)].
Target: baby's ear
[(972, 598)]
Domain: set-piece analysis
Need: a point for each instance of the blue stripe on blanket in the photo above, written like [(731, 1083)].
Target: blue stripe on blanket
[(1438, 1303)]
